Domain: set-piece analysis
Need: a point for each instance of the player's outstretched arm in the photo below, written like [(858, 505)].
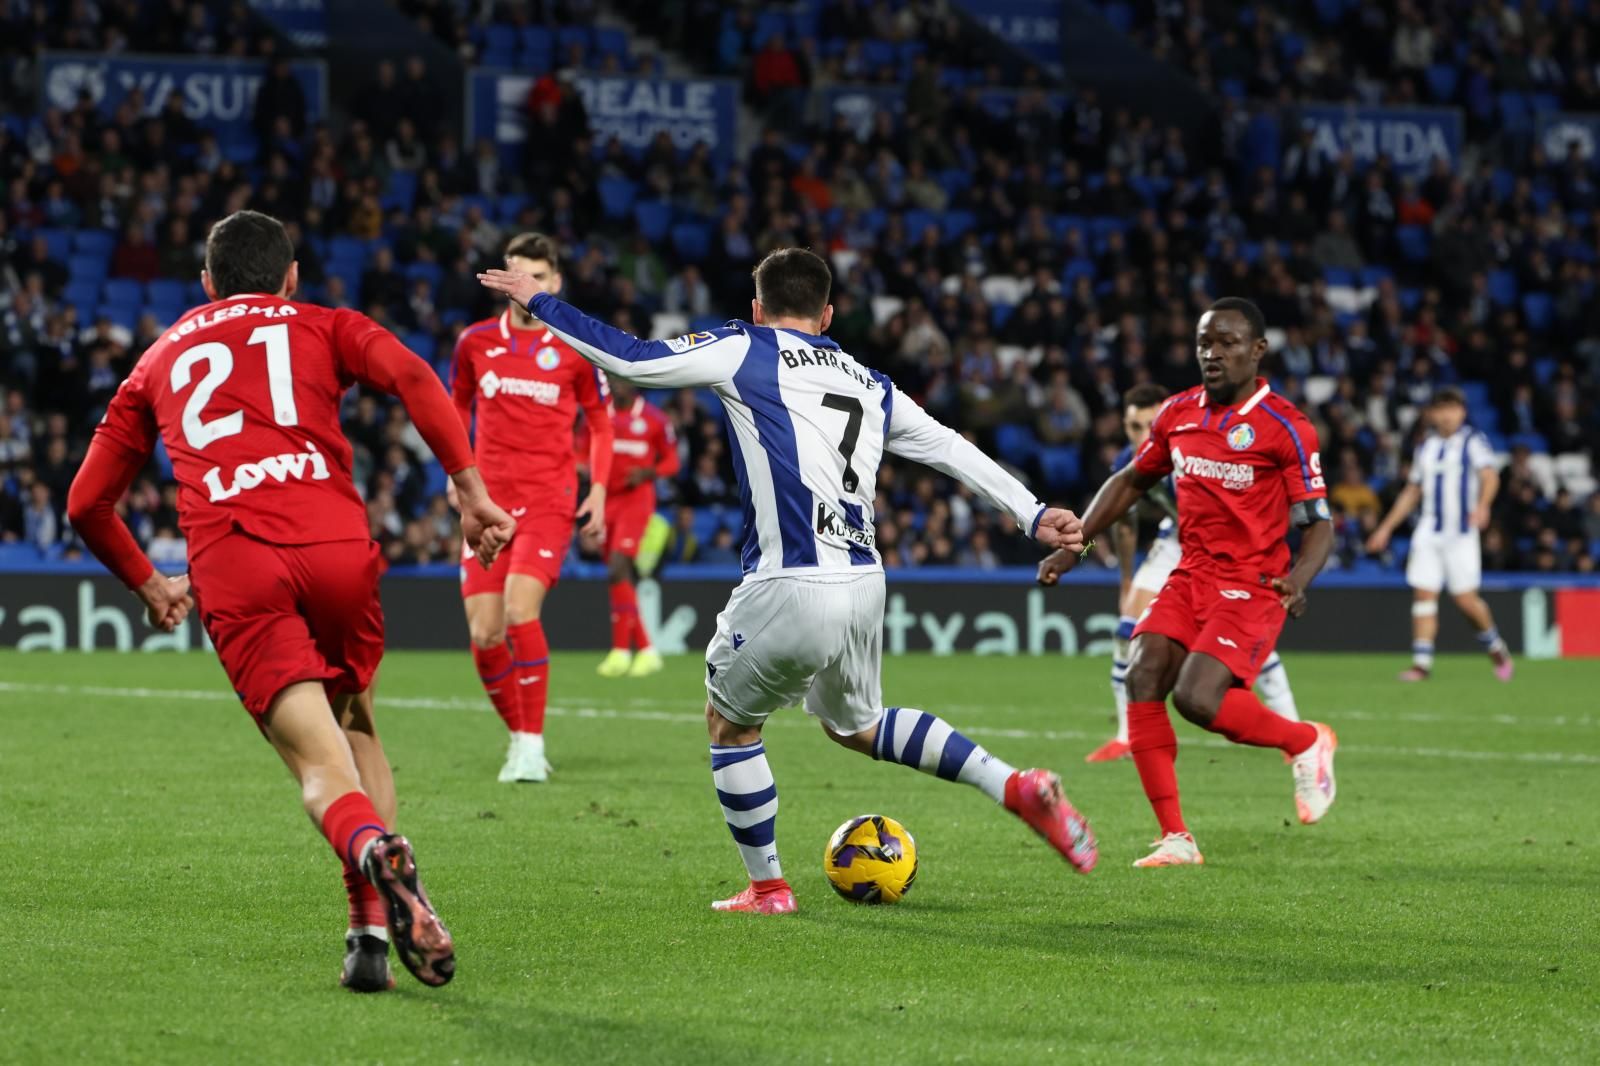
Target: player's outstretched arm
[(1316, 544), (1404, 504), (1120, 492), (686, 362), (917, 435), (105, 475)]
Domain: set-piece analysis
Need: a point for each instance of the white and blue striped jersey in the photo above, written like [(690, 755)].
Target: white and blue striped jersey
[(808, 427), (1446, 469)]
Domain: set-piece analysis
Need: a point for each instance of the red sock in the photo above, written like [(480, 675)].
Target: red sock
[(1155, 756), (641, 635), (349, 822), (1244, 719), (366, 906), (531, 662), (624, 613), (495, 670)]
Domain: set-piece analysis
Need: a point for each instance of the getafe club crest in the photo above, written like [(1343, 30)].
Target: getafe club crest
[(1241, 437), (637, 425), (547, 358)]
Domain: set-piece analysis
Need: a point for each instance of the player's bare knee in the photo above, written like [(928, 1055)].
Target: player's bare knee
[(487, 636), (1197, 700), (860, 741), (619, 569), (725, 733)]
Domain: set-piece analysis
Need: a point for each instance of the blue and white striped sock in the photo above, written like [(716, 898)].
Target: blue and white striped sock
[(1422, 654), (926, 742), (1490, 639), (749, 805), (1272, 685), (1119, 693)]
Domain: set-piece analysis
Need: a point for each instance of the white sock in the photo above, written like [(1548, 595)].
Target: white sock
[(749, 805), (926, 742), (1273, 685), (1422, 654), (1119, 686)]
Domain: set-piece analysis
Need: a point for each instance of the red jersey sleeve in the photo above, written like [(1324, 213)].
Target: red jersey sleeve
[(1154, 457), (130, 420), (463, 381), (1298, 456), (375, 357), (121, 446), (594, 396), (667, 462)]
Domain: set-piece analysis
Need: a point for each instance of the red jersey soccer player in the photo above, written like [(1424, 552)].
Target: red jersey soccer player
[(245, 394), (1245, 462), (528, 386), (644, 448)]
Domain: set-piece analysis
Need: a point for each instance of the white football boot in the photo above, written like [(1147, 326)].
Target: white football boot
[(1174, 849), (531, 765), (508, 772), (1313, 776)]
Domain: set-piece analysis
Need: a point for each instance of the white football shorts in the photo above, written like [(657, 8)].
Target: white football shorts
[(816, 639), (1450, 561), (1158, 565)]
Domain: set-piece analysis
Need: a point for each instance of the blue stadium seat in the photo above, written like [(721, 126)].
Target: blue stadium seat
[(692, 240), (511, 205), (1232, 88), (433, 273), (164, 291), (1544, 102), (435, 481), (957, 223), (1414, 243), (401, 191), (1442, 81), (568, 36), (1120, 16), (498, 37), (1544, 370), (88, 267), (94, 242), (654, 219), (1339, 276), (166, 314), (1000, 314), (1476, 393), (616, 197), (538, 39), (1372, 276), (1061, 465), (1016, 444), (496, 58), (1075, 269), (123, 292), (58, 243), (769, 24), (1515, 112), (1291, 46), (877, 54), (422, 343), (1538, 308), (122, 314), (82, 293), (349, 249), (1534, 442), (707, 521), (1502, 288), (918, 220), (701, 323)]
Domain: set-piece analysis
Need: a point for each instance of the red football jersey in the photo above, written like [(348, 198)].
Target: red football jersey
[(1237, 471), (529, 385), (642, 437), (245, 394)]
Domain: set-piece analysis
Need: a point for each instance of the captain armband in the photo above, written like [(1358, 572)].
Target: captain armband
[(1309, 512)]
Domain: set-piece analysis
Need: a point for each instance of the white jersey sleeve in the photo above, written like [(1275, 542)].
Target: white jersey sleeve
[(917, 435), (707, 358), (1479, 452)]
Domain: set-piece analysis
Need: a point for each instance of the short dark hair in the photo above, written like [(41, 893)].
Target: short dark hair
[(248, 252), (535, 246), (793, 282), (1252, 314), (1446, 395), (1148, 394)]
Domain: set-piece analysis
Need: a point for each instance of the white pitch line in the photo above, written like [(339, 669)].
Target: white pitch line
[(638, 714)]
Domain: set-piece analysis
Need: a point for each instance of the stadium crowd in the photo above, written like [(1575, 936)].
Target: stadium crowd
[(1016, 276)]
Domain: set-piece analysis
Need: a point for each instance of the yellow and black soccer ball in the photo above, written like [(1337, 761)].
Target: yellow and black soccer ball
[(871, 859)]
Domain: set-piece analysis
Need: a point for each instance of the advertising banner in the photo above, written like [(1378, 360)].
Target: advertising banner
[(86, 609), (1033, 27), (1558, 131), (1412, 137), (305, 22), (632, 110), (219, 94)]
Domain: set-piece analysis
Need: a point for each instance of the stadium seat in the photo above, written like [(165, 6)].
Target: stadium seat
[(567, 37), (957, 223), (1534, 442), (877, 54), (918, 220), (422, 343), (58, 243), (1442, 81), (537, 39), (122, 314), (692, 240), (94, 242), (498, 37), (1016, 444), (401, 191), (1503, 288), (707, 521), (82, 293), (164, 291), (611, 42), (616, 197), (769, 24), (654, 219), (1120, 16), (1538, 308), (1060, 465), (91, 267), (123, 292), (510, 206), (1000, 314), (348, 249), (1413, 242), (1339, 276)]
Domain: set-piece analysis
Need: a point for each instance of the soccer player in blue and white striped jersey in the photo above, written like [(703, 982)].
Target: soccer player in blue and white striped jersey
[(1455, 476), (809, 426)]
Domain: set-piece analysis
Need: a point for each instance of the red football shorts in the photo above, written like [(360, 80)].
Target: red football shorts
[(283, 614), (627, 515), (1229, 619), (543, 537)]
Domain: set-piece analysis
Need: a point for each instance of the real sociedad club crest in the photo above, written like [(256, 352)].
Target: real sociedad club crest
[(547, 358), (1241, 437)]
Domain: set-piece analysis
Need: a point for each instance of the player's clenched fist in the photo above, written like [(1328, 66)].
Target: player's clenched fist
[(1059, 528), (166, 600), (519, 287), (1052, 566)]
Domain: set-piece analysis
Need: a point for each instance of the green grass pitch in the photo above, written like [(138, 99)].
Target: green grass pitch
[(174, 905)]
